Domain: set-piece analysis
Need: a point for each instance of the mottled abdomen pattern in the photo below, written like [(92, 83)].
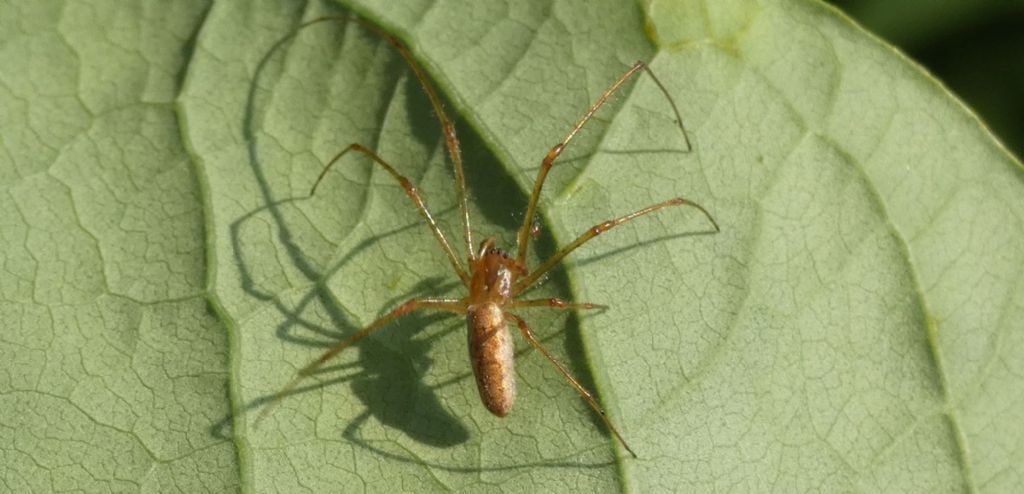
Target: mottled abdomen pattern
[(491, 352)]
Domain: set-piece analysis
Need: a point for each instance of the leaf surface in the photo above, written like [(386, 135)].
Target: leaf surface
[(853, 326)]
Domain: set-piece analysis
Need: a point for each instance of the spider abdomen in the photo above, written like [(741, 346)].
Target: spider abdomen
[(491, 353)]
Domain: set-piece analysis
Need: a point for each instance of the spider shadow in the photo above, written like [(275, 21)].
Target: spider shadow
[(387, 373)]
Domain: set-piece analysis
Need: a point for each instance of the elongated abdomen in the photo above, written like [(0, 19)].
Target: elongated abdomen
[(491, 352)]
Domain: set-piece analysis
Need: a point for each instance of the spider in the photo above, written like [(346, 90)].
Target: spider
[(493, 278)]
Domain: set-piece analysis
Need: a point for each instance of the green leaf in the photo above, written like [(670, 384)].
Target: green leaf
[(111, 367), (853, 326)]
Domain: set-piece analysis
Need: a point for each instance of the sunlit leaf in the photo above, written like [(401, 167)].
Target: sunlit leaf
[(854, 326)]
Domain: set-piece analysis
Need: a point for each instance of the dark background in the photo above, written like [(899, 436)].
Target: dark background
[(975, 47)]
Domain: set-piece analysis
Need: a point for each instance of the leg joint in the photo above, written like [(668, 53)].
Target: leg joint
[(553, 153), (601, 228)]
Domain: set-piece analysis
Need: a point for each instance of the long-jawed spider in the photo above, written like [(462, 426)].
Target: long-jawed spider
[(493, 278)]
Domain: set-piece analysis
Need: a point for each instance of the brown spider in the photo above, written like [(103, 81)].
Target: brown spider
[(494, 279)]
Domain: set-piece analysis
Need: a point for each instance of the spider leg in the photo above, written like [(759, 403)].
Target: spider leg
[(451, 140), (447, 127), (523, 237), (410, 190), (586, 395), (556, 303), (450, 305), (598, 229)]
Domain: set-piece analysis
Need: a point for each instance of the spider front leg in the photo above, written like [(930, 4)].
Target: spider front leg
[(450, 305), (523, 237), (410, 190), (447, 126), (586, 395), (598, 229)]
